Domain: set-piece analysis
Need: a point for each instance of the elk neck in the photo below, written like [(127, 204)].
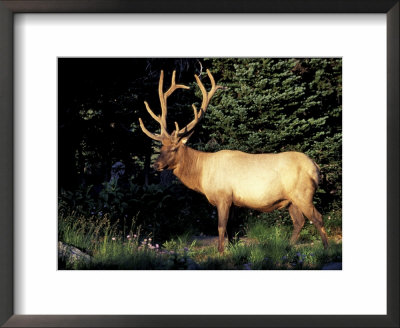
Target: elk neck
[(189, 167)]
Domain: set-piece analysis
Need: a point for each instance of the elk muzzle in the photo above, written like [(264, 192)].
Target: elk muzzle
[(158, 166)]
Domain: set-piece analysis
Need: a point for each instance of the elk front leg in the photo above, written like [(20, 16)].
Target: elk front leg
[(230, 227), (223, 213)]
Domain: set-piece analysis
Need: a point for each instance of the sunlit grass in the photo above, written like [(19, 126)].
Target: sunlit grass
[(262, 248)]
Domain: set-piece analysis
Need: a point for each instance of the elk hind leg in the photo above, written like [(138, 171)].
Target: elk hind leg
[(298, 222), (316, 218)]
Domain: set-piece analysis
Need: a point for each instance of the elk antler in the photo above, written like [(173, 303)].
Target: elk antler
[(163, 102), (162, 120), (198, 115)]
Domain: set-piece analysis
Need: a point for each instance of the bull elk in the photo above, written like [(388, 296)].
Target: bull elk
[(263, 182)]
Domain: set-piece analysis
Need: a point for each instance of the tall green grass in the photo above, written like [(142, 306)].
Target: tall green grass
[(262, 248)]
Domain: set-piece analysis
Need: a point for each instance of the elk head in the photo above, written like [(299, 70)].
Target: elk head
[(171, 143)]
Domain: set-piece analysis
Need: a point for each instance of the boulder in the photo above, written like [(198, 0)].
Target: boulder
[(71, 255)]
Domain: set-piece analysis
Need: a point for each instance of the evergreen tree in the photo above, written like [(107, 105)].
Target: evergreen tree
[(273, 105)]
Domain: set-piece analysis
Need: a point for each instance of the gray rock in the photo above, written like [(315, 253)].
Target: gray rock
[(71, 254)]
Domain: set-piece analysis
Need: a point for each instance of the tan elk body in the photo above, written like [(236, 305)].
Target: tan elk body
[(263, 182)]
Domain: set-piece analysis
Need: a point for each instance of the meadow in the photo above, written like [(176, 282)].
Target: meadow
[(260, 247)]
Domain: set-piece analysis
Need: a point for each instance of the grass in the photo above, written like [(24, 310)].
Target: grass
[(262, 248)]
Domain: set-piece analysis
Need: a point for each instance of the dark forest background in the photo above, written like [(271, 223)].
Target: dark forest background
[(269, 105)]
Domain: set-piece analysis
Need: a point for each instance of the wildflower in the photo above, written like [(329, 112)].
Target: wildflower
[(150, 239), (186, 249), (128, 237), (284, 257), (157, 246), (145, 240), (113, 238), (298, 254), (134, 236), (312, 254)]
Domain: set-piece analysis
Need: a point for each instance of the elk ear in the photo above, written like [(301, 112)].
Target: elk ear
[(185, 139)]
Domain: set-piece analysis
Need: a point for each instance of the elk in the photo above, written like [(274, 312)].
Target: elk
[(263, 182)]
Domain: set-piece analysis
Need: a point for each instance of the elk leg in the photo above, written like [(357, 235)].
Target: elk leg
[(298, 222), (231, 224), (316, 218), (319, 223), (223, 213)]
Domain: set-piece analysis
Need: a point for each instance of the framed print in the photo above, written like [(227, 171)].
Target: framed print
[(181, 239), (107, 59)]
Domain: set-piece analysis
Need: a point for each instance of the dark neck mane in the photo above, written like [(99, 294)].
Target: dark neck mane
[(189, 168)]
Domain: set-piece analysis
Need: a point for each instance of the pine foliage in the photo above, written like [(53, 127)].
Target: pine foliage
[(274, 105)]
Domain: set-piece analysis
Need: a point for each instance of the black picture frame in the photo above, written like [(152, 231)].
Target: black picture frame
[(10, 7)]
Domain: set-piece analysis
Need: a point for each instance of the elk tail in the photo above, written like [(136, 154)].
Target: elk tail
[(316, 176)]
